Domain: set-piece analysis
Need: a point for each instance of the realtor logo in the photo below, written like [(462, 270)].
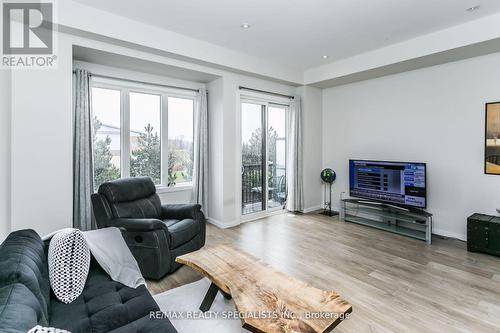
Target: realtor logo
[(27, 34)]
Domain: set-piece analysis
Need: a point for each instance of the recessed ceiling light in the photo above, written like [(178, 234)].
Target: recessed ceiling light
[(245, 26), (473, 8), (325, 57)]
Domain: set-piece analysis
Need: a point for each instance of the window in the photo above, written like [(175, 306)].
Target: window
[(106, 134), (180, 140), (142, 132)]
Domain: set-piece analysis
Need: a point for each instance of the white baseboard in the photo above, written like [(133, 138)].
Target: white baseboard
[(448, 234), (234, 223), (222, 225)]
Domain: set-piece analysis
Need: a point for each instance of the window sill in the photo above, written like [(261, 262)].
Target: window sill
[(178, 188)]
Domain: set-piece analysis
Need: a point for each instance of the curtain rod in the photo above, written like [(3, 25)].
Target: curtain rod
[(266, 92), (142, 82)]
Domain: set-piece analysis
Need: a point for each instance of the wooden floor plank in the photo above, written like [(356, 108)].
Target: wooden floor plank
[(394, 283)]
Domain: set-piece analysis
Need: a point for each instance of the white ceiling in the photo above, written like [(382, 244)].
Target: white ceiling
[(297, 33)]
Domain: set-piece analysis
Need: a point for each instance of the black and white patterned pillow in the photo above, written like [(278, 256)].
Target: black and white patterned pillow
[(41, 329), (69, 262)]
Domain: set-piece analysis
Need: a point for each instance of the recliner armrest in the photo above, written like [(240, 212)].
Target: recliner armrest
[(181, 211), (131, 224)]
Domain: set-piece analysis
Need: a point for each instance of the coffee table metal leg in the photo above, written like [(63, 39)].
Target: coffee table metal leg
[(226, 296), (209, 298)]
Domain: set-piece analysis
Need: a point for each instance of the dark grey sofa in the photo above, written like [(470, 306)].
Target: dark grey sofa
[(156, 234), (26, 299)]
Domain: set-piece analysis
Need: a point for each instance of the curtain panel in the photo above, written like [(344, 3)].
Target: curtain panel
[(83, 185), (295, 191), (200, 163)]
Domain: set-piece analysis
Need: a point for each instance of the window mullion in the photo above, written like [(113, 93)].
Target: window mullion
[(265, 137), (125, 132), (164, 139)]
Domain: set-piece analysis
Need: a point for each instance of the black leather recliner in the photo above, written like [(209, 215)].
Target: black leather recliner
[(156, 234)]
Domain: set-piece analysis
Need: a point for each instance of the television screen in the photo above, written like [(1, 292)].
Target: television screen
[(398, 183)]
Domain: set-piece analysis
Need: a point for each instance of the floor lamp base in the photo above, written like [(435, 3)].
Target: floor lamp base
[(329, 213)]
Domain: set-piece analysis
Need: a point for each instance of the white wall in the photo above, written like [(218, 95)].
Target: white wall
[(42, 145), (312, 146), (5, 117), (434, 115), (215, 150)]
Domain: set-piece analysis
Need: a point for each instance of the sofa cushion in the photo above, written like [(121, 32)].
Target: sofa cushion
[(127, 189), (108, 306), (24, 278), (20, 310), (181, 231)]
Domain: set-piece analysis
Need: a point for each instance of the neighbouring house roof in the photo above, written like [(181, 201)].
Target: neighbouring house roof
[(108, 129)]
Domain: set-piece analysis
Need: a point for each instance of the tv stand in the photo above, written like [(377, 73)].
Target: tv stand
[(383, 204), (412, 223)]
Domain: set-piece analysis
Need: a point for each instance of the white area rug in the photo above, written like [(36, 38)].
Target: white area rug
[(185, 301)]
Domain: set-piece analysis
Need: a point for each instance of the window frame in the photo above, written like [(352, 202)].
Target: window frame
[(125, 88)]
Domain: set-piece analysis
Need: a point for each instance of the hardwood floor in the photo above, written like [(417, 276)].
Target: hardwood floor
[(394, 283)]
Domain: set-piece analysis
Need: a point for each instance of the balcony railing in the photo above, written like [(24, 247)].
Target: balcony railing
[(252, 184)]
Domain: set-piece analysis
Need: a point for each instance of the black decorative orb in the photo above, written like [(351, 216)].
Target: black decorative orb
[(328, 175)]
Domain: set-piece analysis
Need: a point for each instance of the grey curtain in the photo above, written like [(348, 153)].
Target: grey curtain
[(83, 185), (295, 191), (200, 163)]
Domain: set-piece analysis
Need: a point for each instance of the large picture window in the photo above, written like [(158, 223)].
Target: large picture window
[(142, 132)]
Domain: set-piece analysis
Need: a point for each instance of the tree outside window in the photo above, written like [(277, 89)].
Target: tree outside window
[(146, 158), (104, 169)]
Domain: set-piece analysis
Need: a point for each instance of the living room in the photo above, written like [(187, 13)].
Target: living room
[(229, 154)]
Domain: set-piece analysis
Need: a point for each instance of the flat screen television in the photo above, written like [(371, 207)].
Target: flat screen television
[(398, 183)]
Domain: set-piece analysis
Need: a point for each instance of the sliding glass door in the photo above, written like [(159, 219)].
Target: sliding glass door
[(276, 156), (263, 157), (252, 158)]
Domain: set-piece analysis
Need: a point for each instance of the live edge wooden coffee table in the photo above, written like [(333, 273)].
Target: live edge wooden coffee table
[(266, 299)]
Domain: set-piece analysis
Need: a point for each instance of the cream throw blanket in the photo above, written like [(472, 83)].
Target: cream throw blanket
[(111, 252)]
